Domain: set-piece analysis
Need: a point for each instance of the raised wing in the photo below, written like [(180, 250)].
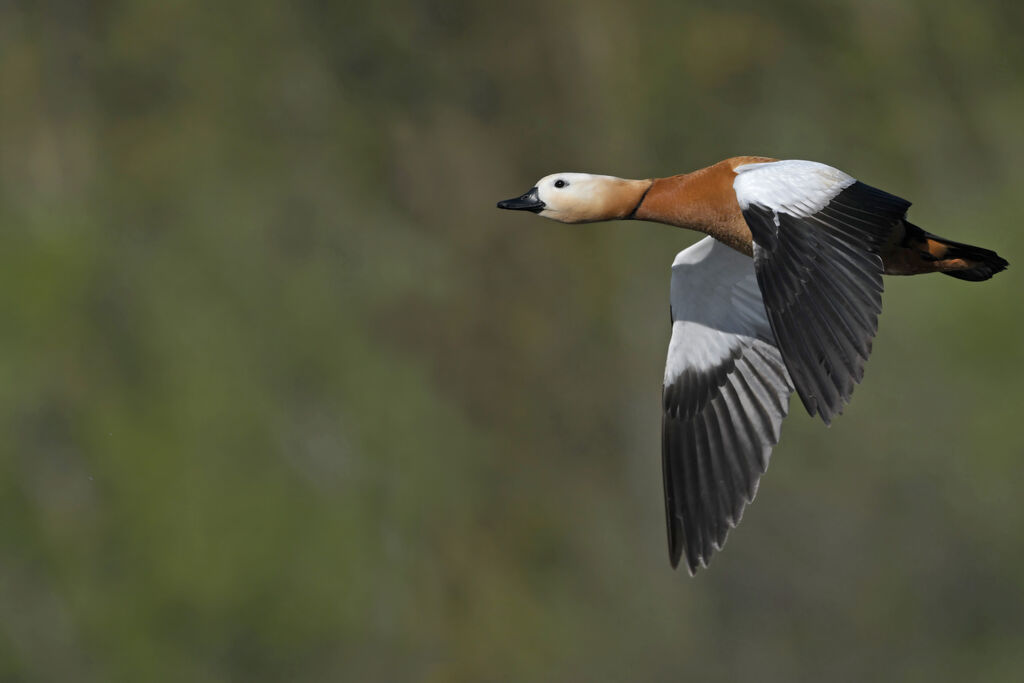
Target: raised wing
[(818, 235), (726, 393)]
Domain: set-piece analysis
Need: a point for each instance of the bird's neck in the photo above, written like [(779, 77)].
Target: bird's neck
[(703, 201)]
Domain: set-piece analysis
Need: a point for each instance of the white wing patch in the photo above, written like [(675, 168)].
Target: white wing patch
[(799, 188), (695, 346), (715, 300)]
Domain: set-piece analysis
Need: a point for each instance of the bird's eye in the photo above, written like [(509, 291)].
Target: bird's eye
[(560, 183)]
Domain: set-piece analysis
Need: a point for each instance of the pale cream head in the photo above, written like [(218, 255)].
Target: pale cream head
[(577, 197), (580, 197)]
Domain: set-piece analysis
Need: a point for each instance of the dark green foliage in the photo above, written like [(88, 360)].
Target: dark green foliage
[(284, 397)]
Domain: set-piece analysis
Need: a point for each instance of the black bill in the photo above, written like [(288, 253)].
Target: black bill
[(528, 202)]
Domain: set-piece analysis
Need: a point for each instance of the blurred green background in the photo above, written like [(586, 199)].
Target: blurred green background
[(284, 397)]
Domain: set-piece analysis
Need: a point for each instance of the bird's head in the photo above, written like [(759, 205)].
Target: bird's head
[(579, 197)]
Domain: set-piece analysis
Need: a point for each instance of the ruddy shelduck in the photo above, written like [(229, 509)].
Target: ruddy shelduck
[(783, 294)]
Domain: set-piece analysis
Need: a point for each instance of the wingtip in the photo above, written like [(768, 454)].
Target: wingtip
[(692, 565), (675, 556)]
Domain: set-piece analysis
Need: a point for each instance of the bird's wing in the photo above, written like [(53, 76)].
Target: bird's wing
[(726, 392), (818, 235)]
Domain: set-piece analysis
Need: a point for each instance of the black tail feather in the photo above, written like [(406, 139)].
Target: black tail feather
[(955, 259), (982, 263)]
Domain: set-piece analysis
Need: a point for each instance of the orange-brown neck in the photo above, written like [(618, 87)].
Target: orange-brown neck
[(703, 201)]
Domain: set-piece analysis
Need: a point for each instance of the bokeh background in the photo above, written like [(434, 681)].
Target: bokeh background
[(284, 397)]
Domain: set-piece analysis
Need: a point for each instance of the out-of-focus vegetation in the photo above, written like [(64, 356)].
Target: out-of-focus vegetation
[(284, 397)]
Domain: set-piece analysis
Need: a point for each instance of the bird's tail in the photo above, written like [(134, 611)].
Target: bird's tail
[(962, 261)]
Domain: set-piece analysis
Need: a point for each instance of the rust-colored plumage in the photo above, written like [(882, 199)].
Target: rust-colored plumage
[(799, 316), (704, 201)]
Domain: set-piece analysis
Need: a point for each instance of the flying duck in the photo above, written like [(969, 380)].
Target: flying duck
[(783, 294)]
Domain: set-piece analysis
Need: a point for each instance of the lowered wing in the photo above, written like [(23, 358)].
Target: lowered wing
[(726, 393)]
